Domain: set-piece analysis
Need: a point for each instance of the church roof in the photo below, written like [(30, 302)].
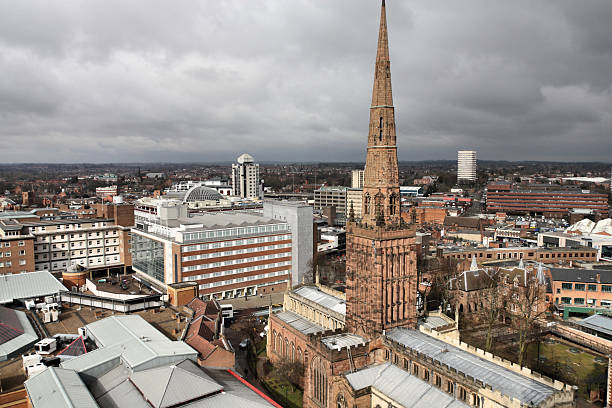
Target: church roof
[(501, 379), (299, 323), (324, 299), (399, 385)]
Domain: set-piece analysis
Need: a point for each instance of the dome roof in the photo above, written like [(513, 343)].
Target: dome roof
[(201, 193), (245, 158)]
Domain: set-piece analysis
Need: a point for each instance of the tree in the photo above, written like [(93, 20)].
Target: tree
[(439, 273), (494, 303), (527, 302), (291, 370)]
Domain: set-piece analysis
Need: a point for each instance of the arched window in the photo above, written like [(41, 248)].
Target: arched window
[(367, 204), (392, 204), (292, 352), (299, 356), (286, 353)]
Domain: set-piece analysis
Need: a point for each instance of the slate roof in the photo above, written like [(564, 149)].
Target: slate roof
[(16, 333), (402, 387), (580, 275), (76, 348), (499, 378)]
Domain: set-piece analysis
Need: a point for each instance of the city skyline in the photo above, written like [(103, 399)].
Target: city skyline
[(286, 82)]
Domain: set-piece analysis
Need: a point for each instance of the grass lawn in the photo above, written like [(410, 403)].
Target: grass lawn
[(279, 386), (575, 368)]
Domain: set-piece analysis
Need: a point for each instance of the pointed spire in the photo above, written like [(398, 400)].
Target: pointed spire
[(381, 177), (381, 94), (540, 275), (474, 266)]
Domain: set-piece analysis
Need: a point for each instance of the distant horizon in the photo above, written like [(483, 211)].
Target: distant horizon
[(226, 162)]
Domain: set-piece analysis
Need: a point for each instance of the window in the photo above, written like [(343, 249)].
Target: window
[(438, 380), (558, 291), (21, 243), (22, 262), (606, 288), (592, 288), (566, 286), (579, 301), (579, 286), (566, 300), (22, 252)]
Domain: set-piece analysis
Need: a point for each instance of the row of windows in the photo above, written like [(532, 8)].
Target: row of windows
[(240, 280), (238, 271), (582, 287), (8, 254), (7, 244), (68, 226), (236, 242), (235, 252), (94, 251), (230, 232), (581, 301), (85, 261), (8, 264), (233, 262)]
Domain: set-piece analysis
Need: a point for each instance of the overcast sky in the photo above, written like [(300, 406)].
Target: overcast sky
[(291, 80)]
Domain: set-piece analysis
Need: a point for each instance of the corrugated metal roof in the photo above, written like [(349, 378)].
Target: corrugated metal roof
[(326, 300), (598, 323), (171, 385), (398, 385), (343, 340), (118, 329), (299, 323), (59, 388), (499, 378), (28, 285)]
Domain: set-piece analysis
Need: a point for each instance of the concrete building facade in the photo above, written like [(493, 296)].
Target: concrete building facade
[(300, 219), (245, 178)]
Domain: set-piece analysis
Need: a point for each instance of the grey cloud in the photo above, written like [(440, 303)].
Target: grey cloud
[(291, 79)]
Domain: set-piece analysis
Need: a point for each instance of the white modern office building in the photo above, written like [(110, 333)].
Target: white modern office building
[(245, 178), (466, 165)]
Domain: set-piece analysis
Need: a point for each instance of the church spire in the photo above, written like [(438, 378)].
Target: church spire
[(381, 198)]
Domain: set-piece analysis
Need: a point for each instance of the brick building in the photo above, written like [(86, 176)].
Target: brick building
[(549, 203), (546, 255), (581, 287)]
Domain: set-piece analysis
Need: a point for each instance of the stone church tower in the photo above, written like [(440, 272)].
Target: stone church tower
[(381, 258)]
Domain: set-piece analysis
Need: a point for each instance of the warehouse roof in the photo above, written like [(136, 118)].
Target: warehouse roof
[(500, 379), (59, 388), (402, 387), (28, 285)]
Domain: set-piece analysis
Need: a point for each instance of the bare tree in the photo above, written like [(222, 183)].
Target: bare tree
[(493, 302), (291, 370), (527, 298), (440, 274)]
